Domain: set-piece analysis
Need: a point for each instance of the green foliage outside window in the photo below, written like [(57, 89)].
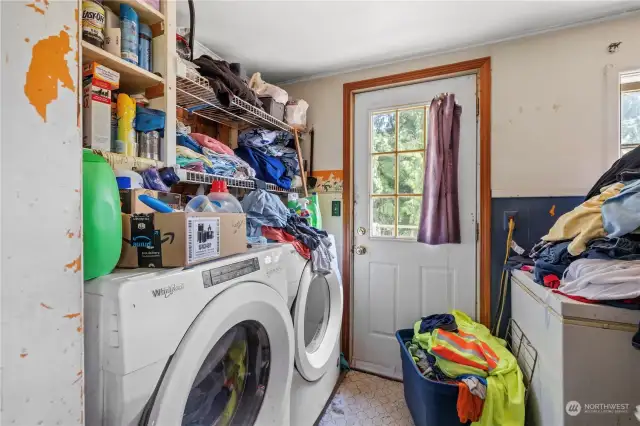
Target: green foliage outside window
[(410, 171)]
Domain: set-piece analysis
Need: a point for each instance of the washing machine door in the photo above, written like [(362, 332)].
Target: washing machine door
[(234, 365), (317, 316)]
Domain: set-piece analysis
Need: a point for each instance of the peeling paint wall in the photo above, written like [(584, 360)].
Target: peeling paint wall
[(41, 282)]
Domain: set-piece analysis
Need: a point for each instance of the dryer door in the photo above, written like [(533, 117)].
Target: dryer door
[(234, 365), (317, 316)]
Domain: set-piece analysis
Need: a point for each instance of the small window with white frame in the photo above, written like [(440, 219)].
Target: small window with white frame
[(629, 111)]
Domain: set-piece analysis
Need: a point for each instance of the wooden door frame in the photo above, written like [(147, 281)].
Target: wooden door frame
[(482, 68)]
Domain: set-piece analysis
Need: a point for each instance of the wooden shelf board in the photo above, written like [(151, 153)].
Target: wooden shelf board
[(146, 14), (133, 79)]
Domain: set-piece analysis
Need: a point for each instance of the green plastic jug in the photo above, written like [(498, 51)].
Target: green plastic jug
[(101, 220)]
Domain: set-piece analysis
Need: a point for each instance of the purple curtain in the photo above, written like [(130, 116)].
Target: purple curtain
[(440, 217)]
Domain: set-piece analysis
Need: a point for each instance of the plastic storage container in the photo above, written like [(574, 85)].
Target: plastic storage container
[(200, 203), (430, 403), (222, 200), (273, 108), (101, 222)]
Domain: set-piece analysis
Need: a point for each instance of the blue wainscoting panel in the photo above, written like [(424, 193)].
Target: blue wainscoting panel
[(534, 218)]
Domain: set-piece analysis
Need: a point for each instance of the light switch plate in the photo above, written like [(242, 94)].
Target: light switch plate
[(335, 208)]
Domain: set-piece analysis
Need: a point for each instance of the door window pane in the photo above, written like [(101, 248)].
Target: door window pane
[(411, 129), (384, 174), (383, 212), (409, 216), (230, 385), (397, 171), (410, 172), (383, 132), (316, 313), (630, 118)]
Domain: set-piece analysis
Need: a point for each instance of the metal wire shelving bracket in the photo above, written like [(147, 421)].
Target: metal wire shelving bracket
[(525, 353), (194, 94), (188, 176)]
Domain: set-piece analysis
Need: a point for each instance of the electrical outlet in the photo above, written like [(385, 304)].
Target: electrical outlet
[(508, 214)]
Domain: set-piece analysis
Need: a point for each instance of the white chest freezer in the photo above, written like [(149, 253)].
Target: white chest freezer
[(588, 373)]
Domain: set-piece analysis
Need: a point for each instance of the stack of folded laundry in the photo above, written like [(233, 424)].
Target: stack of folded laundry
[(203, 153)]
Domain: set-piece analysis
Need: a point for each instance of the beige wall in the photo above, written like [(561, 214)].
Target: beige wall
[(548, 109)]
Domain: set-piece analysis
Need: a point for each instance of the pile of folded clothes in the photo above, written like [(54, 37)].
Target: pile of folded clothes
[(202, 153), (269, 152), (268, 217), (454, 349), (592, 253)]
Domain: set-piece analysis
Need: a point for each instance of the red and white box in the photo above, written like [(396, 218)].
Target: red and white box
[(98, 82)]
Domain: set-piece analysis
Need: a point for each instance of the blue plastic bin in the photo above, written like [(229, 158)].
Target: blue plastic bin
[(431, 403)]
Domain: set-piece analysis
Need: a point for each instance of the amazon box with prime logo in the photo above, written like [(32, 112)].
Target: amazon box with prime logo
[(157, 240)]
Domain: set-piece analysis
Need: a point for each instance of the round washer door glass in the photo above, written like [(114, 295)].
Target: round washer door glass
[(230, 385), (316, 313)]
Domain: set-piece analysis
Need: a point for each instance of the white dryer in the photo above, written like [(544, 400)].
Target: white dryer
[(212, 344), (317, 318)]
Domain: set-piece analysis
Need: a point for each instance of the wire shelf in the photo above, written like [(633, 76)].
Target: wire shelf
[(194, 94), (188, 176), (525, 353)]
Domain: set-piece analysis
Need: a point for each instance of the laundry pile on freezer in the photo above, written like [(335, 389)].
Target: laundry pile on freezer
[(454, 349), (592, 253)]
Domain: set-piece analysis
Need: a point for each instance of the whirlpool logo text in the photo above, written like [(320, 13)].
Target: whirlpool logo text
[(167, 291)]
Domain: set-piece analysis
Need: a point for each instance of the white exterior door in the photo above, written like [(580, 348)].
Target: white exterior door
[(396, 279)]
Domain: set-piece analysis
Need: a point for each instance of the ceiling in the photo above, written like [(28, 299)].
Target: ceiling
[(290, 40)]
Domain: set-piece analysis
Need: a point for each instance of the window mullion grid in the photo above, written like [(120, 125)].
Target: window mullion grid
[(397, 200)]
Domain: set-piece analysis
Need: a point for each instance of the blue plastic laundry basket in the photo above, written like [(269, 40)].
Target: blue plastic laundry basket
[(431, 403)]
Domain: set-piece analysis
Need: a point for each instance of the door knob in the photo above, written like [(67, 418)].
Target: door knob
[(360, 250)]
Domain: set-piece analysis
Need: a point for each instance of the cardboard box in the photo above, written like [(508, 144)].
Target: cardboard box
[(180, 239), (98, 82), (129, 202), (95, 71), (96, 115)]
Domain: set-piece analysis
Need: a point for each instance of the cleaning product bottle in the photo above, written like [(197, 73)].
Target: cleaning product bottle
[(129, 26), (222, 200), (101, 218), (292, 201), (126, 140), (303, 209), (314, 209)]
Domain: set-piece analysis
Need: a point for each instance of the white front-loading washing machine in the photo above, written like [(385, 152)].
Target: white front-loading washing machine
[(212, 344), (317, 319)]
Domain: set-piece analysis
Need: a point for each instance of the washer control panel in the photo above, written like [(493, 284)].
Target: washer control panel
[(229, 272)]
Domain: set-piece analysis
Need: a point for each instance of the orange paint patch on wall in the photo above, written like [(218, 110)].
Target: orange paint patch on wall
[(69, 233), (76, 265), (36, 8), (48, 68), (71, 316), (67, 28), (44, 305), (552, 212), (24, 355), (329, 180)]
